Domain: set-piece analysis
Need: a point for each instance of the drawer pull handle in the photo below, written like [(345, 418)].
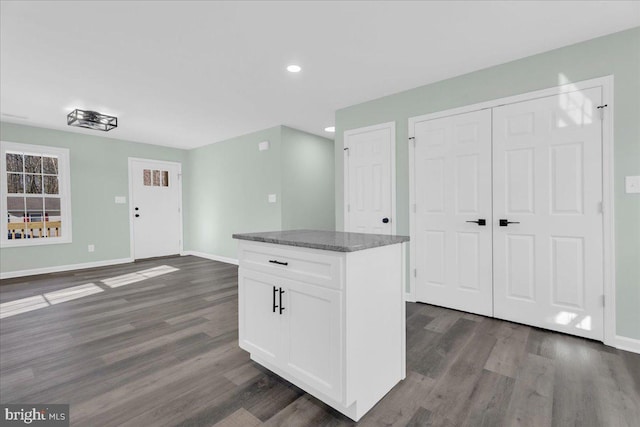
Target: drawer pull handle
[(274, 299), (281, 307), (273, 261)]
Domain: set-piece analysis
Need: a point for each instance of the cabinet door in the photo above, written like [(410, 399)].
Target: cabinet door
[(313, 337), (260, 326)]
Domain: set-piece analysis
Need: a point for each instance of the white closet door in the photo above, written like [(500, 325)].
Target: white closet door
[(369, 176), (453, 187), (548, 265)]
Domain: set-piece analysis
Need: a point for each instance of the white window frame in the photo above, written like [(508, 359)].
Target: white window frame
[(64, 186)]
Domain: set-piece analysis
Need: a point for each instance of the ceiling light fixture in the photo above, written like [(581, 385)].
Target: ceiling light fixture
[(330, 129), (294, 68), (91, 120)]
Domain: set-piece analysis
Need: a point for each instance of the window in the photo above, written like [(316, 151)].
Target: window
[(36, 201)]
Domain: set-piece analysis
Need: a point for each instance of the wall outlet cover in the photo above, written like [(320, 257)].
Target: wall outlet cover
[(264, 145), (632, 184), (121, 200), (272, 198), (91, 248)]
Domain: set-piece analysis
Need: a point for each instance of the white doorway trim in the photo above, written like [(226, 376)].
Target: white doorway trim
[(392, 163), (609, 279), (131, 213)]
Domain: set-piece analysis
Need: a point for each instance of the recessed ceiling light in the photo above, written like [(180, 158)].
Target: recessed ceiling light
[(294, 68), (330, 129)]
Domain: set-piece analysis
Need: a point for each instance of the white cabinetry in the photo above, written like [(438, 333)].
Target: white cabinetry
[(330, 322)]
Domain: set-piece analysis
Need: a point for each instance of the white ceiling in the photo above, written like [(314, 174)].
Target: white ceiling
[(187, 74)]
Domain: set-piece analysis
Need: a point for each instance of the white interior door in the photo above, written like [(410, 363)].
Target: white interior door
[(548, 263), (370, 179), (452, 188), (155, 208)]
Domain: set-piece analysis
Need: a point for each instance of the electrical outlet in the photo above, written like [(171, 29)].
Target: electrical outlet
[(91, 248), (120, 200), (272, 198), (264, 145)]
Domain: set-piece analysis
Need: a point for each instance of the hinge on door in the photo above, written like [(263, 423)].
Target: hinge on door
[(415, 272), (601, 108), (348, 207), (603, 300), (415, 208), (601, 207), (413, 139)]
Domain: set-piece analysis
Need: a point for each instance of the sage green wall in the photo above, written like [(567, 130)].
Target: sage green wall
[(228, 184), (99, 172), (307, 181), (617, 54), (227, 188)]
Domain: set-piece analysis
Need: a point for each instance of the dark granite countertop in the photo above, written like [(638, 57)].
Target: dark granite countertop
[(336, 241)]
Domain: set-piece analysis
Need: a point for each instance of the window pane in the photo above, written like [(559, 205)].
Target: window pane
[(51, 204), (15, 183), (156, 178), (33, 164), (50, 165), (50, 184), (146, 176), (53, 224), (34, 204), (165, 178), (33, 184), (14, 162), (15, 227), (15, 204)]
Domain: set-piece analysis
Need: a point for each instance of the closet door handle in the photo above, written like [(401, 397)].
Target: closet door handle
[(281, 307), (506, 222), (273, 261), (481, 221), (274, 299)]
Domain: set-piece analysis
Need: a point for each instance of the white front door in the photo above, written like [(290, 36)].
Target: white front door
[(547, 184), (369, 179), (453, 211), (155, 208)]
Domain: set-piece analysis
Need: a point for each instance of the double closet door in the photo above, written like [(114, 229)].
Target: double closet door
[(508, 219)]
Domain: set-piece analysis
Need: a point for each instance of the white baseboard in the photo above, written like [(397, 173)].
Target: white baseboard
[(59, 268), (211, 257), (627, 344)]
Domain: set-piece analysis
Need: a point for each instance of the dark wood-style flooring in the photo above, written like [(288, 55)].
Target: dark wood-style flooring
[(163, 351)]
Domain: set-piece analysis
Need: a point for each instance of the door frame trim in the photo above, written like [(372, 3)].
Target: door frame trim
[(392, 160), (130, 175), (608, 215)]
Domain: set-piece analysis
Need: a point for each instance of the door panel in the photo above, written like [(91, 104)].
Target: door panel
[(453, 186), (156, 208), (260, 326), (548, 178), (313, 337), (369, 180)]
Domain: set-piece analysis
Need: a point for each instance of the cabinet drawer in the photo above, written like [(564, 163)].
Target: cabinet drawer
[(309, 265)]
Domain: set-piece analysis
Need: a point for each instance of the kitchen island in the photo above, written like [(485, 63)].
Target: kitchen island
[(325, 310)]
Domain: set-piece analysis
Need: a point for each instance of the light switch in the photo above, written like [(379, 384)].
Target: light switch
[(632, 184), (272, 198), (264, 145), (121, 200)]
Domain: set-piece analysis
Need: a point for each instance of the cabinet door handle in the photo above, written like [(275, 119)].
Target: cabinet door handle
[(274, 299), (281, 307), (273, 261)]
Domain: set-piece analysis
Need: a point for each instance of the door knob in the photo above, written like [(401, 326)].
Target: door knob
[(506, 222), (385, 220), (481, 221), (137, 208)]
